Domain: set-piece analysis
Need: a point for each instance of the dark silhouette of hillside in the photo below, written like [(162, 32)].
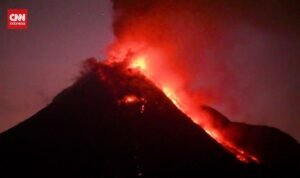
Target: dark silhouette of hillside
[(92, 129), (270, 145)]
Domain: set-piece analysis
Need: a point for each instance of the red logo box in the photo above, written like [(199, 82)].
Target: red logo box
[(17, 18)]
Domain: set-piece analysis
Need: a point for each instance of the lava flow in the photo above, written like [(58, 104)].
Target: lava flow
[(184, 103)]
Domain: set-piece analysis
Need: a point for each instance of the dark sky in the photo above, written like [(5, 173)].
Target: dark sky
[(38, 63), (261, 48)]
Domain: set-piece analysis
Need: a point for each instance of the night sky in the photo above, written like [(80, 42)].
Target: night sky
[(38, 63), (262, 52)]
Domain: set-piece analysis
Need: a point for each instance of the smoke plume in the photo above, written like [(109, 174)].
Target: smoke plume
[(239, 56)]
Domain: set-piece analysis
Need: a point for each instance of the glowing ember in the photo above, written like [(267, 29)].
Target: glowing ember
[(142, 109), (128, 99)]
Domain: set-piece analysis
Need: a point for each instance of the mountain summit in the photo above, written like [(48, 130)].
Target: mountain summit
[(114, 121)]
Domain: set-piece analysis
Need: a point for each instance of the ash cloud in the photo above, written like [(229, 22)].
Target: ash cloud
[(245, 54)]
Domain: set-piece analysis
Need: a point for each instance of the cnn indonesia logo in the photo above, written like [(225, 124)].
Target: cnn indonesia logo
[(17, 19)]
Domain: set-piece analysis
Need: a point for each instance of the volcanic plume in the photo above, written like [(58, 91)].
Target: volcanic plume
[(168, 42), (139, 112), (219, 53)]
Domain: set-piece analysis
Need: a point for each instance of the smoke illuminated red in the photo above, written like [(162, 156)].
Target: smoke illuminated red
[(172, 87)]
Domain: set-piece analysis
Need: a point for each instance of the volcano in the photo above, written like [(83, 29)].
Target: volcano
[(113, 121)]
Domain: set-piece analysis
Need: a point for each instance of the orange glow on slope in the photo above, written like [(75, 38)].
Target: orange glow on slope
[(239, 153), (170, 84), (130, 99), (171, 95)]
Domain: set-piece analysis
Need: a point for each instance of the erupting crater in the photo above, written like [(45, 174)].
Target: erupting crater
[(184, 102)]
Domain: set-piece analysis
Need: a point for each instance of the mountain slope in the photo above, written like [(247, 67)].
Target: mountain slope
[(113, 121), (271, 146)]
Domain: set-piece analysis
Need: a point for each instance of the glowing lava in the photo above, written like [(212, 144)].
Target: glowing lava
[(171, 85), (186, 105), (139, 63), (130, 99), (170, 94)]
